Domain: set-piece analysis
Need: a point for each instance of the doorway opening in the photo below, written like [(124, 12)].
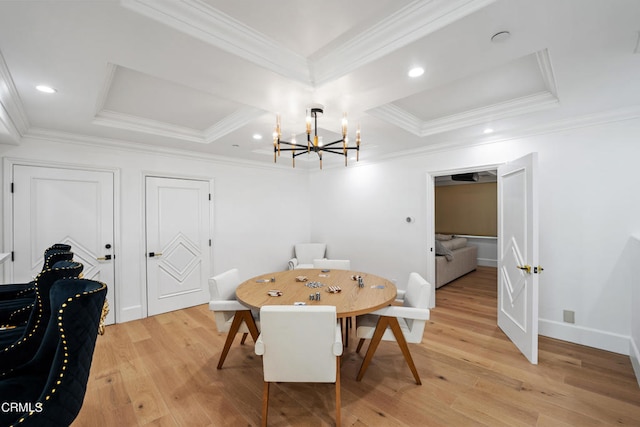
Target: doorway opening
[(468, 231), (517, 244)]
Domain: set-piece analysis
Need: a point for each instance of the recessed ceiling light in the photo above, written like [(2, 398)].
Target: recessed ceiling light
[(488, 131), (46, 89), (257, 136), (416, 72)]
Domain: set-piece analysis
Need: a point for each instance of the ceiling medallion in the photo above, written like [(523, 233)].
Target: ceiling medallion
[(315, 145)]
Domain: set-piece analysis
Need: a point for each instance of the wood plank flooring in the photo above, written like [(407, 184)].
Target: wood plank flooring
[(161, 371)]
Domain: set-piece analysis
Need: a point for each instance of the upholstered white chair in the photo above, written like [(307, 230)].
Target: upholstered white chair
[(404, 324), (299, 344), (305, 253), (336, 264), (231, 316)]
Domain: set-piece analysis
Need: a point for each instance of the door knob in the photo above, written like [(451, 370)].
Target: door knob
[(154, 254), (526, 268), (104, 258)]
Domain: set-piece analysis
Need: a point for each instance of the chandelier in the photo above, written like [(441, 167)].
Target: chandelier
[(340, 147)]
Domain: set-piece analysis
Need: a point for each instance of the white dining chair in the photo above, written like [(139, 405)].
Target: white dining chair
[(336, 264), (231, 316), (305, 253), (299, 344), (403, 324)]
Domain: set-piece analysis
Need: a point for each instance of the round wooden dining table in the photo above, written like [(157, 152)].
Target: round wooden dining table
[(299, 286), (290, 287)]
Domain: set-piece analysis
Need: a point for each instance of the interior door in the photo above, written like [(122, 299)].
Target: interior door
[(518, 254), (72, 206), (177, 243)]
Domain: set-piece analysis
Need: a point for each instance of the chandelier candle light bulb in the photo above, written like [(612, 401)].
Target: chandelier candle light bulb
[(318, 147)]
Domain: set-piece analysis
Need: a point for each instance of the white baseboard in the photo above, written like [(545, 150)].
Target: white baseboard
[(128, 314), (635, 358), (485, 262), (585, 336)]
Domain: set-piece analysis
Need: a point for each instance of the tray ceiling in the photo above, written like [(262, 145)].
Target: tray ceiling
[(205, 76)]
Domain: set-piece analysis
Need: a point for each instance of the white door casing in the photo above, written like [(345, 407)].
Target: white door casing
[(60, 205), (518, 254), (177, 243)]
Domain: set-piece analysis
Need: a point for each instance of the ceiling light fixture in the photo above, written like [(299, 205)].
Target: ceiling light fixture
[(257, 136), (416, 72), (46, 89), (488, 131), (316, 144)]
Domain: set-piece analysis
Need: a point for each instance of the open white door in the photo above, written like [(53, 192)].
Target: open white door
[(518, 254)]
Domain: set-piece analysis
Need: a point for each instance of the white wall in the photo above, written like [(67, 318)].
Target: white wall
[(634, 279), (589, 208), (487, 249), (259, 213)]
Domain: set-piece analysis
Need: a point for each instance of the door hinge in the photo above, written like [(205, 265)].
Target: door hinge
[(209, 196), (13, 256), (12, 187), (209, 242)]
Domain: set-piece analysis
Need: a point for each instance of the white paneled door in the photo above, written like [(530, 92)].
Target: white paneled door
[(58, 205), (518, 267), (177, 243)]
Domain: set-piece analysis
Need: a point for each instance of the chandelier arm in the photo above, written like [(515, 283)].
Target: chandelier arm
[(296, 154), (295, 146), (338, 150), (340, 141)]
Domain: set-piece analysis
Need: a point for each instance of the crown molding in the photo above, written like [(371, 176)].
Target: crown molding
[(563, 125), (103, 95), (13, 119), (494, 112), (133, 123), (414, 21), (199, 20), (399, 117), (629, 113), (514, 107), (139, 148), (583, 121), (546, 71), (232, 122)]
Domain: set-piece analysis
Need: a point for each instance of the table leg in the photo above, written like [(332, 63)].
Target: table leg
[(238, 318), (345, 326)]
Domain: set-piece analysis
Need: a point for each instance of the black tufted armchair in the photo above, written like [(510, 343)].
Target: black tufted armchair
[(53, 254), (52, 385), (16, 311), (18, 344)]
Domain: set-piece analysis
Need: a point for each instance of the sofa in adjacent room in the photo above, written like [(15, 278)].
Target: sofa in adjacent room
[(454, 258)]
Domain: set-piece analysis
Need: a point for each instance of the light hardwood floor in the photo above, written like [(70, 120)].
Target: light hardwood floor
[(161, 371)]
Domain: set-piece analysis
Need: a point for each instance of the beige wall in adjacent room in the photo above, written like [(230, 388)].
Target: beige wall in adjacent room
[(467, 209)]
